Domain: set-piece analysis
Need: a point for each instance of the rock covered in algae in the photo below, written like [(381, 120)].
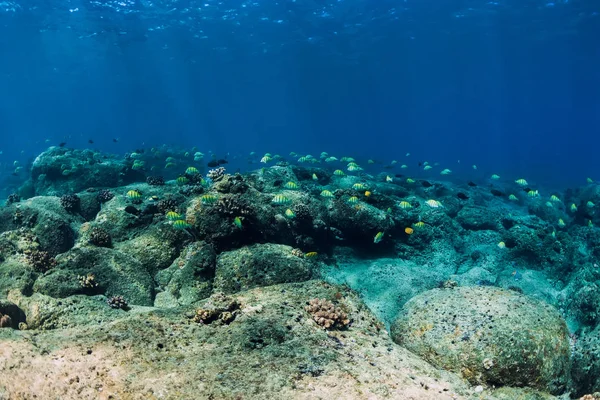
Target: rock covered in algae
[(116, 272), (189, 278), (489, 335), (273, 349), (259, 265), (586, 362), (60, 170)]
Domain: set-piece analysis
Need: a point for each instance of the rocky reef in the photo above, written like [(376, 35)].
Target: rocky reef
[(284, 282)]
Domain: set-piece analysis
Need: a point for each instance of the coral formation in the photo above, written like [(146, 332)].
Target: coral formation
[(104, 195), (100, 237), (216, 174), (155, 181), (117, 302), (88, 281), (326, 314), (41, 261), (13, 198), (70, 202), (219, 308)]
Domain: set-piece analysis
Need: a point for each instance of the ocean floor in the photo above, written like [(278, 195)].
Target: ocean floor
[(308, 278)]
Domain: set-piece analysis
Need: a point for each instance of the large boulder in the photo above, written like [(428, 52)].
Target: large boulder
[(489, 335), (115, 273), (189, 278), (259, 265), (61, 170)]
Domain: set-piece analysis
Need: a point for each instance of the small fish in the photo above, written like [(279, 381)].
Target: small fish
[(462, 196), (433, 203), (521, 182), (502, 245), (134, 194), (388, 179), (446, 172), (311, 254), (590, 223), (512, 197), (290, 214), (266, 159), (561, 223), (237, 221), (90, 141), (353, 200), (472, 184), (378, 237), (410, 180), (354, 168), (338, 172), (408, 230), (291, 185), (533, 193), (549, 204), (115, 140), (554, 198), (419, 224), (517, 275), (573, 207), (208, 199), (280, 200), (173, 216), (589, 180), (62, 144), (182, 180), (370, 162), (315, 177), (474, 167), (169, 165), (330, 159), (327, 194), (404, 166), (495, 177), (426, 184), (589, 204), (427, 168), (368, 193), (496, 193), (405, 205), (192, 171), (181, 224), (359, 186)]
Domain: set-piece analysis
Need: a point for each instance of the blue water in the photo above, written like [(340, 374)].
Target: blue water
[(512, 86)]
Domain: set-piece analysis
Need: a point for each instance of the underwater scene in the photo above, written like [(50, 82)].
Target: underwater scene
[(300, 199)]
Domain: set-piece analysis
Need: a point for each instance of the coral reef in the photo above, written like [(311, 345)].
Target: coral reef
[(476, 283)]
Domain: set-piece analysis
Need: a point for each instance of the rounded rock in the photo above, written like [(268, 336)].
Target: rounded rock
[(489, 335)]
